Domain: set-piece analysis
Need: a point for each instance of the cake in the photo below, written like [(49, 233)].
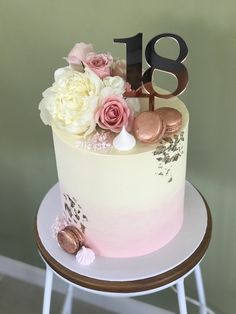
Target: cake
[(121, 167)]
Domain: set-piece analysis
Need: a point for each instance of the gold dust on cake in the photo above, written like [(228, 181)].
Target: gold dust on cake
[(168, 152)]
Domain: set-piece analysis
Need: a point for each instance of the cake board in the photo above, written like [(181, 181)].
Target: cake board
[(131, 276)]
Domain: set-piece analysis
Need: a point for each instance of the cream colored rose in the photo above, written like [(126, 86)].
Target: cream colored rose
[(72, 101), (116, 83)]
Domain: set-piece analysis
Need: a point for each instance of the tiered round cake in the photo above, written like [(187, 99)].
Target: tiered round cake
[(121, 168)]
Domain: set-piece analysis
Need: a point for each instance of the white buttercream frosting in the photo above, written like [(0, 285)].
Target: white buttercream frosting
[(124, 141), (85, 256), (71, 101)]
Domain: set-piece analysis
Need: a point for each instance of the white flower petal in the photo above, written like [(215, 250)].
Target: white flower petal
[(106, 92), (48, 92), (133, 104), (116, 83), (44, 113), (60, 72), (95, 79)]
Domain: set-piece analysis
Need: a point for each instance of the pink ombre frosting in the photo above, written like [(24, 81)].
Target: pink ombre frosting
[(142, 234)]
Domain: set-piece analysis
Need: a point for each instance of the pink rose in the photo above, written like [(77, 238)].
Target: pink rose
[(119, 68), (99, 63), (78, 53), (114, 113)]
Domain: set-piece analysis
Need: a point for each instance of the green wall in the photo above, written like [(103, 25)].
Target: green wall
[(35, 35)]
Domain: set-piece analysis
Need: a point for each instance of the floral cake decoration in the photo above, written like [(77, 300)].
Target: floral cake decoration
[(88, 94), (89, 99)]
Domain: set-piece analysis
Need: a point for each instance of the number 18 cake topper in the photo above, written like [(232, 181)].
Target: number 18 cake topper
[(88, 97), (137, 79)]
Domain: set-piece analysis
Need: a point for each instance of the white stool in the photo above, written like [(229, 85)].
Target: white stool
[(129, 277)]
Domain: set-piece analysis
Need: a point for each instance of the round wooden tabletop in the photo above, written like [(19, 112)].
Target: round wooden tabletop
[(129, 275)]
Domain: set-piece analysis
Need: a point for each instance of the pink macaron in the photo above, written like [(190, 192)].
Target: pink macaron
[(172, 119), (70, 239), (148, 127)]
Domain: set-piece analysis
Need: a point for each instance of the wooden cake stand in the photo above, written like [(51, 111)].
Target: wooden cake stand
[(126, 277)]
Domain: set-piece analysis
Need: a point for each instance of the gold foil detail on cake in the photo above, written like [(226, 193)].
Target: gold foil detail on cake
[(168, 152)]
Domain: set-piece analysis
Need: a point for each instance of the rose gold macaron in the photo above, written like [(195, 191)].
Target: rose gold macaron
[(172, 118), (148, 127), (70, 239)]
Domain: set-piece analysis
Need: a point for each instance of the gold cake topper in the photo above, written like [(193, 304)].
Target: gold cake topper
[(142, 83)]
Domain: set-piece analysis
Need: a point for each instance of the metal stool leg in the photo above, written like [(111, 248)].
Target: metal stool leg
[(67, 307), (181, 296), (200, 290), (47, 290)]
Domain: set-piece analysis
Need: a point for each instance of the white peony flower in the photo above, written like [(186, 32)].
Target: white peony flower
[(60, 72), (72, 100)]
